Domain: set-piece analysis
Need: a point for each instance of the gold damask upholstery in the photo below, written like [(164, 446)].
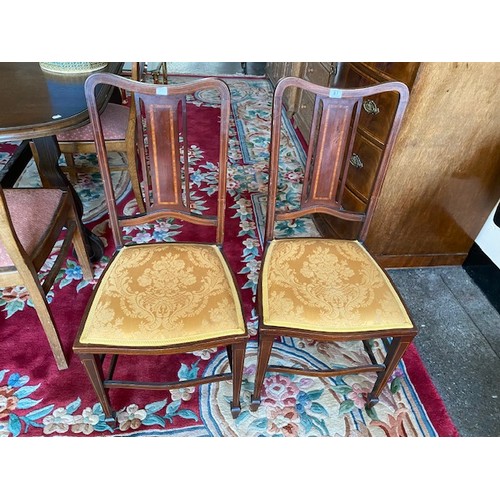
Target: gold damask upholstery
[(160, 295), (327, 286)]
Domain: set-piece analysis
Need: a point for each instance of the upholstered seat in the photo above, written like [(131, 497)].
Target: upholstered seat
[(160, 295), (25, 206), (328, 286), (115, 120)]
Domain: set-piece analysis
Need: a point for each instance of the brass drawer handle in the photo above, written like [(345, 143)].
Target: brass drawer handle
[(355, 161), (370, 107)]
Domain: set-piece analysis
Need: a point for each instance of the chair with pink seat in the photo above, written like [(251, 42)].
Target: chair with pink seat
[(31, 222), (119, 128)]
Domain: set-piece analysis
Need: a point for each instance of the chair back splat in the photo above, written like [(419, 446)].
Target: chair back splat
[(325, 289), (166, 298)]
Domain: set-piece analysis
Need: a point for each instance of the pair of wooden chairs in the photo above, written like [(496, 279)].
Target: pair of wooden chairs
[(171, 298), (320, 289)]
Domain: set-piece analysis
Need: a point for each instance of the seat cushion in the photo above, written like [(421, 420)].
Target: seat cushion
[(31, 213), (164, 294), (328, 286), (114, 121)]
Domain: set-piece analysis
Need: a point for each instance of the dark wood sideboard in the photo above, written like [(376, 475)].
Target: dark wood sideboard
[(443, 178)]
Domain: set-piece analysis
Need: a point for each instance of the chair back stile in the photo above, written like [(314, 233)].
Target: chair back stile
[(158, 108), (333, 130)]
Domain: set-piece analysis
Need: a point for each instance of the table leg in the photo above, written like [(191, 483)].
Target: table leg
[(48, 154)]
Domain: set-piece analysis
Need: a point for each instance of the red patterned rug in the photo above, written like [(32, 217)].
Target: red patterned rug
[(38, 400)]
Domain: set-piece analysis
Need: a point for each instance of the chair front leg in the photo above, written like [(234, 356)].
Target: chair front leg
[(42, 309), (395, 353), (237, 357), (94, 371)]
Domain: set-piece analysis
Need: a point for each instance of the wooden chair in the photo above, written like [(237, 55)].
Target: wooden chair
[(163, 298), (31, 221), (329, 290), (119, 125)]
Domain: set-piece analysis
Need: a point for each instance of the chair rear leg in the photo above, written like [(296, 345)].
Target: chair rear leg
[(397, 349), (94, 371), (237, 356), (265, 347), (41, 171)]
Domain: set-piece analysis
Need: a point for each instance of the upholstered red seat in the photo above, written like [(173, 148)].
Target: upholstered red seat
[(26, 206), (114, 120)]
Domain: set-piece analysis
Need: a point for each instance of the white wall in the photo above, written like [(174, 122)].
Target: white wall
[(488, 239)]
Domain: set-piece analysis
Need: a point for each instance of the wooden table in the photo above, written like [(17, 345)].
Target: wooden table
[(37, 105)]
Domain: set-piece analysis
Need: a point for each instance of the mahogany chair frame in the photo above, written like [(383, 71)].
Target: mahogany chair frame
[(158, 106), (334, 124), (26, 267), (126, 145)]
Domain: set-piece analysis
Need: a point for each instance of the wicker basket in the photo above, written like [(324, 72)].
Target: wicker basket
[(72, 67)]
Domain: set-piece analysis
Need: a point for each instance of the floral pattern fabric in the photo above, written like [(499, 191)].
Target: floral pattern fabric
[(162, 295), (328, 285)]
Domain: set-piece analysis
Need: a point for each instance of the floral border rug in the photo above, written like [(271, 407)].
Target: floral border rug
[(38, 400)]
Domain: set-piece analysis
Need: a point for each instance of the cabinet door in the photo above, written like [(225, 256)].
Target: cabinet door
[(304, 114), (319, 73)]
